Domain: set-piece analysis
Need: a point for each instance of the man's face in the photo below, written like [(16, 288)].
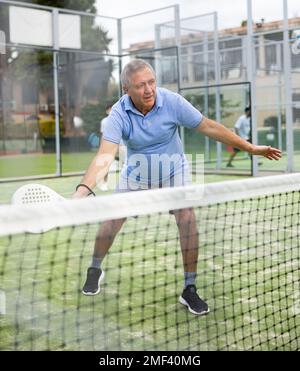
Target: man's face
[(142, 90)]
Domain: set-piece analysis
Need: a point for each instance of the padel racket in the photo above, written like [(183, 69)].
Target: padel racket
[(31, 194), (37, 194)]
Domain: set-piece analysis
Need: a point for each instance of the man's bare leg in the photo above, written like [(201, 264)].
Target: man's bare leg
[(189, 243)]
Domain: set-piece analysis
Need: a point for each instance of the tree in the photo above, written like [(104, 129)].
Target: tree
[(82, 5), (198, 101), (35, 67)]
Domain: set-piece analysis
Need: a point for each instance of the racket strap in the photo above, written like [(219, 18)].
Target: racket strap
[(88, 188)]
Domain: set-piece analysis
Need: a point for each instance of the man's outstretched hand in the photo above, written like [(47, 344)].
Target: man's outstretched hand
[(266, 151)]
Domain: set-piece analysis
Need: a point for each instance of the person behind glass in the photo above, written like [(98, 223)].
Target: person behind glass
[(242, 128), (147, 118)]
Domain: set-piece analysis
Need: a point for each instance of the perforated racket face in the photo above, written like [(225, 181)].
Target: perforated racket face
[(35, 194)]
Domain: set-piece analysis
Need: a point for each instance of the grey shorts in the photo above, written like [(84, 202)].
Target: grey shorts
[(125, 185)]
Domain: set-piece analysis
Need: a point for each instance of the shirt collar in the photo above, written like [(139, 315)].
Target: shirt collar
[(130, 107)]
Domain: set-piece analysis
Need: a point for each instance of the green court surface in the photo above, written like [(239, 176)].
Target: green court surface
[(14, 166), (246, 274), (42, 164)]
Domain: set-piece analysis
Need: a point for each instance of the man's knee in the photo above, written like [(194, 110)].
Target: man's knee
[(111, 227)]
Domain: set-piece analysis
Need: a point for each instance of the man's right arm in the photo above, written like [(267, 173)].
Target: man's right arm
[(98, 168)]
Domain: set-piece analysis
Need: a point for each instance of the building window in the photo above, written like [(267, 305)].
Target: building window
[(231, 63), (270, 59), (295, 61), (296, 109)]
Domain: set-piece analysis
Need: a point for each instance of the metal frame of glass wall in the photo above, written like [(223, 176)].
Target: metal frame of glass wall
[(249, 49)]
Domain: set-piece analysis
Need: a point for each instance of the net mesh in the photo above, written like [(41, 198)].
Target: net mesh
[(248, 271)]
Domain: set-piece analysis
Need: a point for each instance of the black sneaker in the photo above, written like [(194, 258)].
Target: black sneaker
[(92, 283), (190, 298)]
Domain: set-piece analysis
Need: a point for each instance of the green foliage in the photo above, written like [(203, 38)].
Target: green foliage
[(35, 66), (272, 121), (94, 38), (198, 101), (82, 5), (91, 115)]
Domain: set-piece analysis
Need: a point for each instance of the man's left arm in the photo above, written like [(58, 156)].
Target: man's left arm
[(220, 133)]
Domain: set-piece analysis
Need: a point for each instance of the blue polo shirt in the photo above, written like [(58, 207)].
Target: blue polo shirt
[(151, 136)]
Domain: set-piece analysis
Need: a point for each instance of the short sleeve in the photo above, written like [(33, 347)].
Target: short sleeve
[(112, 131), (187, 115)]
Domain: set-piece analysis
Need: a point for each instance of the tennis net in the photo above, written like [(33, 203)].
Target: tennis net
[(248, 271)]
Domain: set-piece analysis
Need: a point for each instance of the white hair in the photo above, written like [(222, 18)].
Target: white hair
[(131, 68)]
